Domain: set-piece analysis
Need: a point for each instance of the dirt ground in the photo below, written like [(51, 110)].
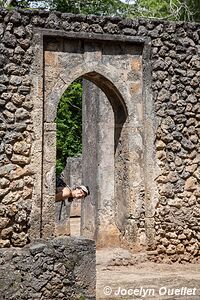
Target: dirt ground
[(121, 275)]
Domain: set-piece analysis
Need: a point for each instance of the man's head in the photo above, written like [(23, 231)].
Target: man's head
[(80, 192)]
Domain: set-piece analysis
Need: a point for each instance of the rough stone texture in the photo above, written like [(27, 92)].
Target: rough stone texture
[(162, 194), (72, 176), (114, 145), (63, 268)]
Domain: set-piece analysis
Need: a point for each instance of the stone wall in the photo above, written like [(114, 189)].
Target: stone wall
[(16, 129), (175, 72), (72, 176), (176, 90), (63, 268)]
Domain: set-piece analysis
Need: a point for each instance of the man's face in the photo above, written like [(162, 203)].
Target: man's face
[(78, 193)]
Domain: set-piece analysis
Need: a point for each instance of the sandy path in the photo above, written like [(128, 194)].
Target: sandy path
[(144, 280)]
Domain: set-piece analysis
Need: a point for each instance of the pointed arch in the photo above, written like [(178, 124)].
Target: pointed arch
[(99, 75)]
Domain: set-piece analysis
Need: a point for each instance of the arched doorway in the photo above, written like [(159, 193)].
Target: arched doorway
[(103, 119), (117, 71)]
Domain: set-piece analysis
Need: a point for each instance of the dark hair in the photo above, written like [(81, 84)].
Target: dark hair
[(88, 190)]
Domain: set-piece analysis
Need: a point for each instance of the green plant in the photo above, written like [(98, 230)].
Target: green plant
[(69, 124)]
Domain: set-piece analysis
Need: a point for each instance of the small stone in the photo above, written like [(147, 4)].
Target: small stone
[(6, 232), (27, 193), (126, 31), (19, 239), (6, 96), (192, 248), (192, 99), (9, 116), (164, 241), (17, 99), (4, 183), (175, 146), (19, 50), (187, 144), (197, 174), (3, 88), (37, 248), (4, 79), (182, 236), (190, 184), (171, 249), (22, 148), (172, 177), (19, 32), (19, 172), (20, 159), (162, 179), (21, 114), (161, 155), (10, 106), (175, 202), (191, 168), (180, 248), (9, 39), (24, 90), (178, 161), (11, 210), (171, 235), (192, 200), (4, 222), (160, 145), (60, 268), (188, 233), (161, 249), (16, 185), (4, 243), (15, 80), (11, 197), (7, 169), (15, 17), (167, 190)]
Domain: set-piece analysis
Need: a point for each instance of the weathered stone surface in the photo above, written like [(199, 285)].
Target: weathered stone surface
[(15, 80), (6, 233), (21, 114), (19, 239), (49, 267), (20, 159), (22, 148), (4, 243), (4, 222), (191, 184), (175, 92), (171, 249), (9, 39)]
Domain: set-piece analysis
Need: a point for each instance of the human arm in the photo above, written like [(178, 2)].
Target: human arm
[(63, 193)]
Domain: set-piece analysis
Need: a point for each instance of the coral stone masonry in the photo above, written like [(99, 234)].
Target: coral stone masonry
[(142, 78)]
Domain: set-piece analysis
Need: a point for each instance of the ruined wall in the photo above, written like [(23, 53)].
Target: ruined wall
[(176, 90), (175, 66), (57, 269), (16, 129)]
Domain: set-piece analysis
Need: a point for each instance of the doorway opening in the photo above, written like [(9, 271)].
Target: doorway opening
[(91, 119), (68, 156), (112, 132)]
